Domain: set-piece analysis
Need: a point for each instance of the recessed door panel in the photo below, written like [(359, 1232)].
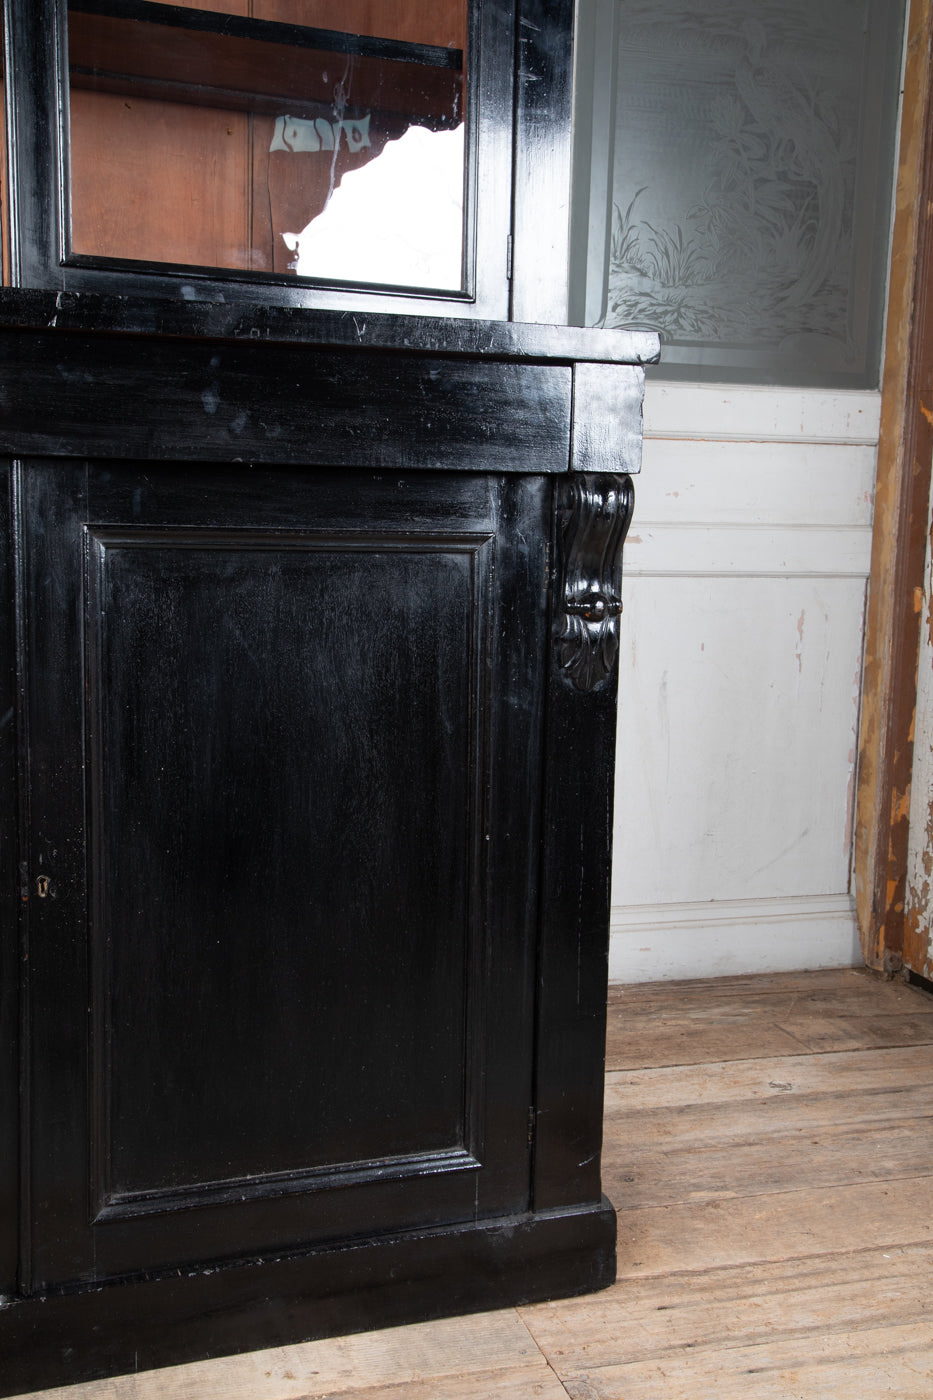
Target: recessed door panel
[(264, 706)]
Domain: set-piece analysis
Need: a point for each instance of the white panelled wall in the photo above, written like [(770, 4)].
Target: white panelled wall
[(746, 572)]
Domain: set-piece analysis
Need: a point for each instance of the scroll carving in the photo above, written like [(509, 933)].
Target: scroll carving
[(595, 518)]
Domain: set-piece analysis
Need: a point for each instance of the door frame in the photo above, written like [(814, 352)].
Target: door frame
[(902, 494)]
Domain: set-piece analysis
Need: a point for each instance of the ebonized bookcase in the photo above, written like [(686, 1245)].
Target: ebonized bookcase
[(310, 615)]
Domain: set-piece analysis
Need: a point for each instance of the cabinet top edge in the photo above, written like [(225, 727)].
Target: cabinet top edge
[(23, 309)]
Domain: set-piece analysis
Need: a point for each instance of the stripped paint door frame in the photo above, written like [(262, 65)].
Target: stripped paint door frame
[(889, 694)]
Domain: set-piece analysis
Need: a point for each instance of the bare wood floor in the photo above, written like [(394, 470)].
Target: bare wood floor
[(769, 1147)]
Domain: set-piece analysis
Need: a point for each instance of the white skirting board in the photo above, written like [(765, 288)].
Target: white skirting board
[(730, 937)]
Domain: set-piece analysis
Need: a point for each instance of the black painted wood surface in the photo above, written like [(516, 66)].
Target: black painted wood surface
[(306, 934), (188, 318), (190, 1315), (11, 881), (294, 386), (316, 823), (208, 402), (309, 623), (541, 214)]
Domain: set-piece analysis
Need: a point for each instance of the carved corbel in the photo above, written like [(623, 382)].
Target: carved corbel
[(594, 520)]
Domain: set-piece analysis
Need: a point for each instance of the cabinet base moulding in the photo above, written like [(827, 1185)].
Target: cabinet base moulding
[(140, 1324)]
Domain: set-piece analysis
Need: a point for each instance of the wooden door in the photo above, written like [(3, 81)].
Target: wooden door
[(284, 730)]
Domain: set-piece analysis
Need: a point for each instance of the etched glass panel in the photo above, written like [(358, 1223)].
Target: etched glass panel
[(301, 137), (747, 212)]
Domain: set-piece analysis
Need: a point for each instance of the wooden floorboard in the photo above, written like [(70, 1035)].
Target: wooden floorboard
[(451, 1349), (744, 1018), (715, 1151), (785, 1225), (836, 991), (684, 1023), (641, 1320), (536, 1383), (502, 1383), (885, 1361), (769, 1149), (892, 1072), (648, 1043)]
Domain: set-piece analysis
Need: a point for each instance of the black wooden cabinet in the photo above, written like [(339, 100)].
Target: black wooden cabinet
[(309, 627)]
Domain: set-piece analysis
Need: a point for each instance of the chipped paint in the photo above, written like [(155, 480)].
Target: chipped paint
[(918, 894), (799, 652), (850, 803), (900, 524)]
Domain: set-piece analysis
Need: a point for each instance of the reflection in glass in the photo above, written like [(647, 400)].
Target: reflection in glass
[(216, 136)]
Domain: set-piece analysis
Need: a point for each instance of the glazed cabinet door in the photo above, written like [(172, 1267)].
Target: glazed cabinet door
[(282, 806)]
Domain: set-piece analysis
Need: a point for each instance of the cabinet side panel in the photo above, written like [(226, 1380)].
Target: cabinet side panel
[(573, 966), (591, 523)]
